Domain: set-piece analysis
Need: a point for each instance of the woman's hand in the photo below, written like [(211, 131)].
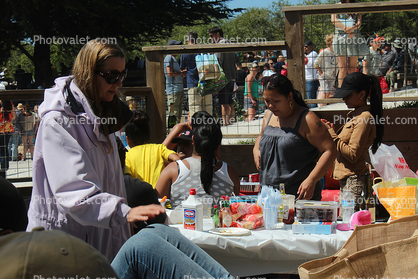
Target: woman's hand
[(328, 124), (144, 212), (306, 189), (256, 154), (254, 101)]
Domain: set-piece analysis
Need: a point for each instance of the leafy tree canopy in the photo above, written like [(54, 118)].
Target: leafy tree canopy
[(130, 22)]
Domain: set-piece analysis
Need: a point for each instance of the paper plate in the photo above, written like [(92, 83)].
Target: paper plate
[(231, 231)]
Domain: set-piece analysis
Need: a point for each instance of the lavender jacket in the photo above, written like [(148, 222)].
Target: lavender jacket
[(77, 183)]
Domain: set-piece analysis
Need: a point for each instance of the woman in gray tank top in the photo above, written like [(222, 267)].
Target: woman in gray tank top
[(294, 147)]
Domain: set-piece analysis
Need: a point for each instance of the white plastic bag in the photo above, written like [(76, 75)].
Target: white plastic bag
[(389, 163)]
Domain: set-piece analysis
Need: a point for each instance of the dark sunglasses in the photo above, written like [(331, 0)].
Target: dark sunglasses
[(211, 35), (112, 77)]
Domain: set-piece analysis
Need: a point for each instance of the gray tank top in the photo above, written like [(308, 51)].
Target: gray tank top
[(287, 157)]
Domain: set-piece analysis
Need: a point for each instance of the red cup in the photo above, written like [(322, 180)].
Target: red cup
[(254, 177)]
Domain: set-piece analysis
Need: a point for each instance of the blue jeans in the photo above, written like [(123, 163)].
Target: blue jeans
[(311, 89), (159, 251), (14, 143)]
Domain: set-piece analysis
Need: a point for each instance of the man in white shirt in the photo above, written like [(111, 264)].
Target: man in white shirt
[(311, 79)]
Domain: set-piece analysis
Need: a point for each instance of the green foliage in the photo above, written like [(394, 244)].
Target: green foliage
[(316, 27), (254, 25), (407, 104), (130, 22), (246, 141)]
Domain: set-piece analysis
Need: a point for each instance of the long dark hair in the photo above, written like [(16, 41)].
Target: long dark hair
[(137, 130), (376, 109), (284, 86), (207, 138)]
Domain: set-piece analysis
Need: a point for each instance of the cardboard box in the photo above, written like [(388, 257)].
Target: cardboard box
[(314, 227)]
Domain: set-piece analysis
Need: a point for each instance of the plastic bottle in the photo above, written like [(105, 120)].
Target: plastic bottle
[(370, 198), (280, 211), (215, 216), (172, 120), (347, 203), (193, 212), (225, 213)]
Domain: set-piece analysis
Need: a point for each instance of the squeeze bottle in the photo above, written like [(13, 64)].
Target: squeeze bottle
[(193, 212)]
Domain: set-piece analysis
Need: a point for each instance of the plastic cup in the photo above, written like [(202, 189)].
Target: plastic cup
[(270, 217), (207, 207)]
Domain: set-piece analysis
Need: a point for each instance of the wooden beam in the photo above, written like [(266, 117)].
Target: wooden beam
[(156, 103), (295, 53), (212, 48), (369, 7)]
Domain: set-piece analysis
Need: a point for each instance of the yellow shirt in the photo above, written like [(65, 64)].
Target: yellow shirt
[(146, 161)]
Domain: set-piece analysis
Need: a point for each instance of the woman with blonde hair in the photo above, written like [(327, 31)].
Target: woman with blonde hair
[(327, 67), (78, 182)]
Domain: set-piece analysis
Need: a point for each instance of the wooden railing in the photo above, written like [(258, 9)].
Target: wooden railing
[(295, 39)]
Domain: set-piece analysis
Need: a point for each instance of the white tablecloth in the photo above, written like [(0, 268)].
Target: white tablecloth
[(266, 251)]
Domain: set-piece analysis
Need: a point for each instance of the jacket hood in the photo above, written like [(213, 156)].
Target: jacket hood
[(55, 100)]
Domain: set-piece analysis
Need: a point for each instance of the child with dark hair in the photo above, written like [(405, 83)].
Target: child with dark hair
[(211, 178), (145, 160)]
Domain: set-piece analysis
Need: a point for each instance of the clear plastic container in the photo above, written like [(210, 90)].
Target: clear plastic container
[(316, 211)]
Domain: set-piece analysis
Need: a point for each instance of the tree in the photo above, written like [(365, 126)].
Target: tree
[(75, 21)]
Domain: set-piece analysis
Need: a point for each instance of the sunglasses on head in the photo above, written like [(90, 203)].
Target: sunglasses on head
[(112, 77)]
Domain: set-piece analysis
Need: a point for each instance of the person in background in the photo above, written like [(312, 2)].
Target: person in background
[(19, 70), (16, 139), (311, 76), (77, 178), (174, 81), (280, 63), (133, 105), (241, 75), (210, 177), (373, 60), (28, 126), (294, 146), (387, 58), (145, 160), (227, 62), (7, 115), (327, 68), (272, 61), (362, 129), (188, 62), (251, 93), (4, 73), (348, 43), (397, 65)]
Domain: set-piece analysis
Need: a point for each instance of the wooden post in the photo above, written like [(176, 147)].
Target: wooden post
[(156, 102), (295, 53)]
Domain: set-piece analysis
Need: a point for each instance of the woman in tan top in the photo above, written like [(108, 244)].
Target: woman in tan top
[(363, 128)]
